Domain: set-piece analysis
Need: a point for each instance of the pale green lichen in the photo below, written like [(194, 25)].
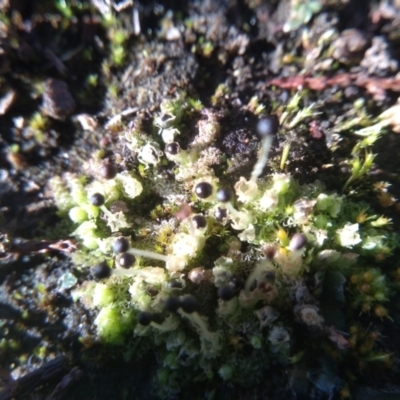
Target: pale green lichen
[(272, 286), (301, 13)]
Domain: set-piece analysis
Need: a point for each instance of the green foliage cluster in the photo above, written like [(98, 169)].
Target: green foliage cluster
[(264, 273)]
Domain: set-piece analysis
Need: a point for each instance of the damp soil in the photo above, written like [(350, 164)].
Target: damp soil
[(49, 61)]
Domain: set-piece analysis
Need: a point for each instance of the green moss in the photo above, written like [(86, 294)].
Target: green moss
[(38, 122), (113, 325), (288, 300)]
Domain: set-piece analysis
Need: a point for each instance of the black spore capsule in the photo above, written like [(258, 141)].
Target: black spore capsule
[(144, 318), (101, 270), (108, 171), (224, 195), (172, 303), (298, 241), (268, 126), (203, 190), (220, 214), (97, 199), (172, 148), (199, 221), (126, 260), (226, 293), (183, 356), (189, 304), (120, 245)]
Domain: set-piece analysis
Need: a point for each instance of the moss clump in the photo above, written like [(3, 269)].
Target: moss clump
[(274, 270)]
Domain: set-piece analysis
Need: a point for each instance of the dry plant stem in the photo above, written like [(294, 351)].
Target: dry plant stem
[(43, 246)]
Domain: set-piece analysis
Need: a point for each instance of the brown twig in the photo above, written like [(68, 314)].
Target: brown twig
[(19, 387), (372, 84), (43, 246), (74, 375)]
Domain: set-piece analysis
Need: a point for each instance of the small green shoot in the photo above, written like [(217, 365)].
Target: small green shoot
[(359, 169)]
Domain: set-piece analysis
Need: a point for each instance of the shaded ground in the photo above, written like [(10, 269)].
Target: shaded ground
[(61, 60)]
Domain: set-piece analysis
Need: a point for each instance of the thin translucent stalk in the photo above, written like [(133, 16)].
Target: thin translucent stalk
[(266, 144), (148, 254)]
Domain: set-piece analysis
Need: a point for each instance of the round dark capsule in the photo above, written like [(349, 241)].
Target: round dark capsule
[(226, 293), (126, 260), (298, 241), (144, 318), (108, 171), (172, 148), (199, 221), (189, 304), (220, 214), (183, 355), (224, 195), (203, 190), (120, 245), (268, 126), (101, 270), (172, 304), (97, 199)]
